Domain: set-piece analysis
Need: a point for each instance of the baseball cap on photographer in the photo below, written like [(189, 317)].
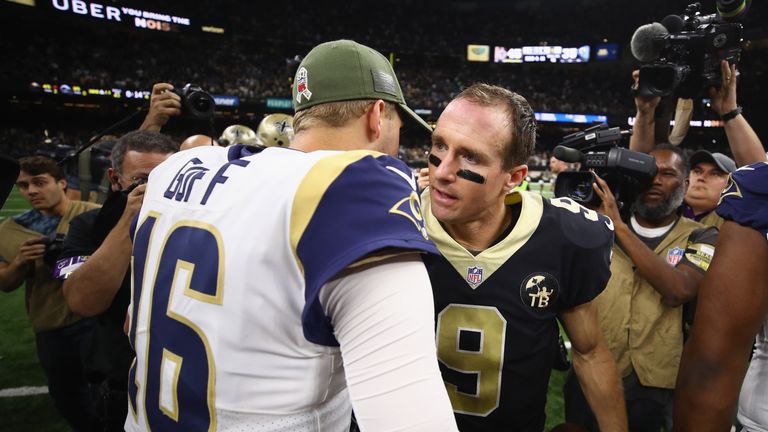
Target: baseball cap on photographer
[(346, 70), (722, 161)]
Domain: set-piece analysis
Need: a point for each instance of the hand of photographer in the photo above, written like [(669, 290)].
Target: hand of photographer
[(163, 104), (742, 139), (642, 138), (724, 98), (644, 104), (133, 206), (12, 273), (608, 205)]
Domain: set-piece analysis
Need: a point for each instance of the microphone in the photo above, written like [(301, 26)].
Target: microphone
[(567, 154), (9, 173), (673, 23), (643, 45)]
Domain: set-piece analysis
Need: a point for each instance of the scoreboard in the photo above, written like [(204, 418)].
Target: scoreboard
[(541, 54)]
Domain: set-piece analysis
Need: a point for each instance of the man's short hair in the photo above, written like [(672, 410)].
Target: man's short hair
[(143, 142), (520, 116), (678, 151), (336, 114), (37, 165)]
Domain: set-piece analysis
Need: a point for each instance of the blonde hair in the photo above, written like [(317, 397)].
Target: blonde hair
[(336, 114)]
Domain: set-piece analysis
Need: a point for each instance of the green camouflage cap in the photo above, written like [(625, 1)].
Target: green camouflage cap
[(345, 70)]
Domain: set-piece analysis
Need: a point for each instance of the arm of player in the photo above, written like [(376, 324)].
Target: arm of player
[(595, 367), (742, 139), (383, 318), (676, 285), (91, 288), (732, 304), (642, 139), (12, 273)]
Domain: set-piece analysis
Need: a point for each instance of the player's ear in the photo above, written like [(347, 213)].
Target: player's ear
[(515, 176), (375, 116)]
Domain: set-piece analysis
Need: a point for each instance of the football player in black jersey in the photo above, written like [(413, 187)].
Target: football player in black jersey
[(512, 263)]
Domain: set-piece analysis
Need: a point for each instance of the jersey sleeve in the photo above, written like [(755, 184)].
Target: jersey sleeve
[(78, 245), (349, 207), (745, 198), (588, 237)]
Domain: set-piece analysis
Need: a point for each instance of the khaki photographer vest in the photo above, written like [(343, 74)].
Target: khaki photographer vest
[(642, 333), (45, 302)]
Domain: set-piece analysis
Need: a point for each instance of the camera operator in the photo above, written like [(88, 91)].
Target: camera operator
[(658, 261), (98, 283), (744, 143), (60, 334)]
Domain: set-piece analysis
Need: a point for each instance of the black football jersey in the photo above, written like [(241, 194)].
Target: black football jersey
[(496, 311)]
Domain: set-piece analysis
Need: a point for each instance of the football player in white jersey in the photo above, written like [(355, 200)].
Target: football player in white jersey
[(277, 290), (732, 308)]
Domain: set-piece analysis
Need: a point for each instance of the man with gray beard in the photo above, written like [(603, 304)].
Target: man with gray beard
[(659, 258)]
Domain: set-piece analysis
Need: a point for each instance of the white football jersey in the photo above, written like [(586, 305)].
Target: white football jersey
[(753, 400), (230, 252)]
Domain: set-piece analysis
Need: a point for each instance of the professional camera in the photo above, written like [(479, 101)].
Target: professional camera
[(53, 248), (682, 55), (195, 102), (626, 172)]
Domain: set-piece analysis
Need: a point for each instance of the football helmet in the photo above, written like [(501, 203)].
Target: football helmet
[(276, 130), (238, 134)]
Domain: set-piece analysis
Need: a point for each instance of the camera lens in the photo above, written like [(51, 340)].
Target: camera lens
[(201, 104), (582, 191)]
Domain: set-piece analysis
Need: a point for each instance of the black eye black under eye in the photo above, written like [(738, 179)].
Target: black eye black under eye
[(464, 173)]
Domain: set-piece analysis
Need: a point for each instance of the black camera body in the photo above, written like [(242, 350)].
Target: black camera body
[(195, 102), (690, 52), (53, 248), (626, 172)]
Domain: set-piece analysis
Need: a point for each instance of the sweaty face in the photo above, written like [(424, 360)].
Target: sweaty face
[(469, 137), (706, 181), (136, 167), (42, 190), (667, 190)]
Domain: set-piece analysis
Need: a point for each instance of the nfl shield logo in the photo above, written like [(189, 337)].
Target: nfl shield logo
[(474, 275), (674, 256)]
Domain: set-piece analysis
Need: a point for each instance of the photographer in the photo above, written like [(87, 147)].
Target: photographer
[(744, 143), (708, 171), (60, 334), (658, 261), (99, 283)]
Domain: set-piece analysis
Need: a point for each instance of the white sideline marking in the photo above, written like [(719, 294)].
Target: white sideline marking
[(23, 391)]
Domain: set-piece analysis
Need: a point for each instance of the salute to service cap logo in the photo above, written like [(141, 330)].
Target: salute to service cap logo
[(302, 86)]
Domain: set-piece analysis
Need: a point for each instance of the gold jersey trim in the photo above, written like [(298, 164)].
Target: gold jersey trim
[(312, 189), (495, 256)]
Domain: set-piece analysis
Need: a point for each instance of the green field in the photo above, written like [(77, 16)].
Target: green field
[(19, 366)]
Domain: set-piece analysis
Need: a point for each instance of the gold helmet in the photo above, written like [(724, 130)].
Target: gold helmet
[(276, 130), (238, 134)]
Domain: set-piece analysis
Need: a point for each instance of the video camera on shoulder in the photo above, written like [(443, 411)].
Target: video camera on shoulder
[(195, 102), (682, 54), (626, 172)]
